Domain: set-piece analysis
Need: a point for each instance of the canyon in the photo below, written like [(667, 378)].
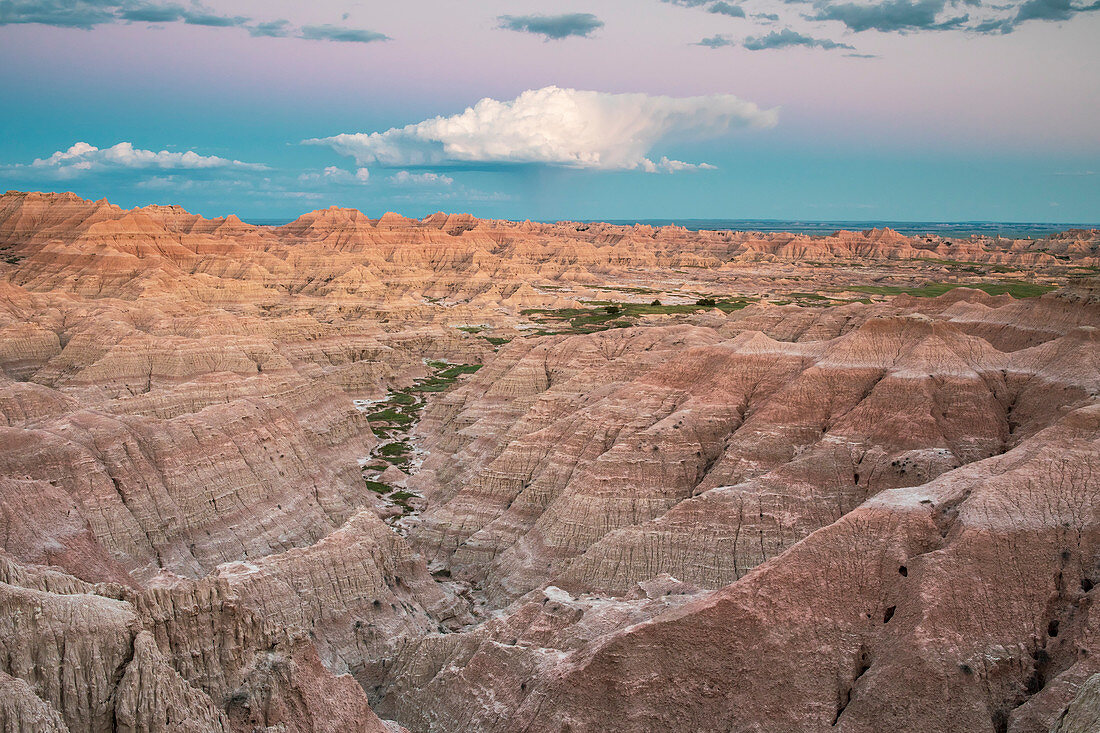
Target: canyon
[(450, 474)]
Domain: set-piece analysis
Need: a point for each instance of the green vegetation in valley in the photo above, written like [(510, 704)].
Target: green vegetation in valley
[(378, 487), (397, 448), (624, 289), (444, 377), (932, 290), (396, 416), (610, 314), (971, 267), (391, 414)]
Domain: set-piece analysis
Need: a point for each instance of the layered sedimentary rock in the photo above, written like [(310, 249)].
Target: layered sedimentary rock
[(621, 455), (62, 242), (702, 480)]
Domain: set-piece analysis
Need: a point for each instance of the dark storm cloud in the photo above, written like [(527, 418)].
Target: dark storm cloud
[(554, 27), (788, 38)]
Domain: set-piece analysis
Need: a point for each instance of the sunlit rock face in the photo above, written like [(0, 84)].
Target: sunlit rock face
[(484, 475)]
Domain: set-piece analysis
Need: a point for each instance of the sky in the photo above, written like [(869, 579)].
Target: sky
[(872, 110)]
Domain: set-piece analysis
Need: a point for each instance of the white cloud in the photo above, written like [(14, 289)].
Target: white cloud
[(175, 183), (333, 174), (566, 127), (83, 157), (404, 178), (666, 165)]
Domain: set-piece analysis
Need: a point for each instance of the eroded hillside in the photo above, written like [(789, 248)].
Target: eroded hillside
[(484, 475)]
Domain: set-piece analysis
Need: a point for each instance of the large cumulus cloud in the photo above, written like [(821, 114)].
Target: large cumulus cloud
[(554, 126)]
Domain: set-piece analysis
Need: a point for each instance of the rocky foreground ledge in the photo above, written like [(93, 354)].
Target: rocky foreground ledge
[(453, 474)]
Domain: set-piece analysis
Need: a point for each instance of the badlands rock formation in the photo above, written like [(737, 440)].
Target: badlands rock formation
[(252, 478)]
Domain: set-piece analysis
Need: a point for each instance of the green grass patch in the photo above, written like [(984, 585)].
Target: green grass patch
[(972, 267), (932, 290), (454, 371), (379, 487), (434, 385), (391, 414), (471, 329), (401, 496), (496, 340), (610, 314), (398, 448), (445, 377), (624, 289)]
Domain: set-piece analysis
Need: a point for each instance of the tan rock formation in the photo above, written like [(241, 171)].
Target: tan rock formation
[(802, 504)]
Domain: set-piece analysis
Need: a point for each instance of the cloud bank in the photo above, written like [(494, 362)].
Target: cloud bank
[(84, 158), (891, 15), (787, 38), (717, 41), (333, 174), (914, 16), (724, 8), (87, 14), (338, 33), (552, 27), (899, 16), (405, 178), (554, 126)]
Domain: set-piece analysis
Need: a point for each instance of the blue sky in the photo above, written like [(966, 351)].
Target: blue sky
[(915, 110)]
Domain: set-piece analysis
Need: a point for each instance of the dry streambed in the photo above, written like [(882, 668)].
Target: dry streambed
[(396, 457)]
